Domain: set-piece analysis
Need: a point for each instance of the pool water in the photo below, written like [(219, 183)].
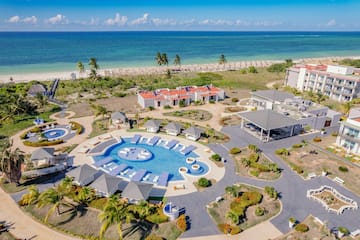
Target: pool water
[(162, 160), (54, 133)]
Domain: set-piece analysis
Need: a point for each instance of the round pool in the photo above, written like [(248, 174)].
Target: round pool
[(160, 160), (55, 133)]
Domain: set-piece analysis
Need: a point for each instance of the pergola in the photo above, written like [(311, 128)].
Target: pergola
[(267, 120)]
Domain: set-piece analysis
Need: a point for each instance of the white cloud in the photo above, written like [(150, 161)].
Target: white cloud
[(94, 21), (58, 19), (161, 22), (31, 20), (142, 20), (14, 19), (118, 20), (331, 23)]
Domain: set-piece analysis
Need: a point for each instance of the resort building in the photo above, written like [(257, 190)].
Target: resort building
[(84, 175), (349, 133), (173, 128), (180, 96), (137, 191), (193, 133), (106, 185), (340, 83), (266, 99), (152, 126), (118, 119), (37, 89), (46, 156)]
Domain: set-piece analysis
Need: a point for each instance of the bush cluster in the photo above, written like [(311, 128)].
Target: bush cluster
[(301, 227), (271, 192), (253, 147), (229, 229), (317, 139), (235, 150), (282, 151), (246, 199), (297, 169), (234, 100), (343, 169), (203, 182), (259, 211), (298, 145), (216, 157), (254, 157), (167, 107), (76, 126), (43, 143), (181, 223)]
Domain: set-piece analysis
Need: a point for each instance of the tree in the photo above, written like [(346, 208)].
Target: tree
[(41, 99), (115, 213), (177, 60), (11, 161), (234, 217), (347, 107), (85, 195), (164, 59), (222, 59), (31, 197), (159, 59), (80, 66), (253, 69), (99, 110), (93, 68)]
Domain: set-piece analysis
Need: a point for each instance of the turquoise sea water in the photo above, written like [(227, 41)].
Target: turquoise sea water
[(27, 52)]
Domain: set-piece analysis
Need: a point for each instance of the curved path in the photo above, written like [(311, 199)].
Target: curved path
[(24, 226), (291, 187)]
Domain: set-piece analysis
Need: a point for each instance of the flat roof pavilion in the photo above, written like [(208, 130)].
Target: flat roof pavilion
[(268, 120)]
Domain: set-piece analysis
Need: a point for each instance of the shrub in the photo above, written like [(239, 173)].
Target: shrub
[(167, 107), (297, 145), (181, 223), (233, 216), (259, 211), (253, 147), (235, 150), (216, 157), (254, 157), (271, 192), (343, 169), (282, 151), (317, 139), (203, 182), (301, 227), (292, 220), (343, 230), (153, 237), (297, 169), (212, 101), (76, 126), (120, 94), (228, 229), (334, 134), (243, 71), (182, 103), (252, 69), (232, 190), (151, 108), (234, 100), (254, 173), (43, 143), (24, 135), (35, 130)]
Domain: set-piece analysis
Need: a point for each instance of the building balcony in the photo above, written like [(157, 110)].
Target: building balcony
[(339, 83), (350, 137)]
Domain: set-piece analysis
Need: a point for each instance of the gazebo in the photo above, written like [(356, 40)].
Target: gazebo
[(137, 191), (173, 128), (152, 126)]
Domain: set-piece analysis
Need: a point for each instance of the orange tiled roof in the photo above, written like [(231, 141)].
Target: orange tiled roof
[(181, 93)]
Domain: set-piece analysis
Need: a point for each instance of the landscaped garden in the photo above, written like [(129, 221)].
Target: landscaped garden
[(196, 115), (305, 159), (77, 211), (231, 120), (251, 162), (242, 207)]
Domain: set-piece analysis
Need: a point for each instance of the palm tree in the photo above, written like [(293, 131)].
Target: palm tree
[(177, 60), (159, 59), (93, 63), (99, 110), (11, 161), (164, 59), (85, 195), (31, 197), (222, 59), (115, 213), (347, 107), (234, 217), (80, 66)]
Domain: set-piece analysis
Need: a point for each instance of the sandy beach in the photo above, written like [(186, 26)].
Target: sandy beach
[(115, 72)]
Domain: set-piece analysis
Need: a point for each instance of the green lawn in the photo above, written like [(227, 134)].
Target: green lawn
[(99, 127), (22, 122)]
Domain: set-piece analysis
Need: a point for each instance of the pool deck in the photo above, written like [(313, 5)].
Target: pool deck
[(215, 172)]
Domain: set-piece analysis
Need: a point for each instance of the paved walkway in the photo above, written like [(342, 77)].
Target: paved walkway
[(23, 226)]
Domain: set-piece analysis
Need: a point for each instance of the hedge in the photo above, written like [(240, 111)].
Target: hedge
[(301, 227), (76, 126), (235, 150), (297, 145), (229, 229), (43, 143), (317, 139)]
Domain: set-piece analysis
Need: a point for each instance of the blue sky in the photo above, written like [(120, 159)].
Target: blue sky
[(231, 15)]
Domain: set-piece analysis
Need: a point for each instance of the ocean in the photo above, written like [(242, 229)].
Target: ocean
[(34, 52)]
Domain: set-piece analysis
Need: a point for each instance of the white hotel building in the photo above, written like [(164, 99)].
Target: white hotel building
[(340, 83), (349, 133)]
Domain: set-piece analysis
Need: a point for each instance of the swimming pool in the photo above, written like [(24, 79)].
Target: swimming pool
[(55, 133), (161, 160)]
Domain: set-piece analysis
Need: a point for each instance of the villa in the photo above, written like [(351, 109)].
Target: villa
[(266, 99), (137, 191), (106, 185), (173, 129), (44, 156), (37, 89), (340, 83), (193, 133), (84, 174), (181, 95), (152, 126), (349, 133), (118, 119)]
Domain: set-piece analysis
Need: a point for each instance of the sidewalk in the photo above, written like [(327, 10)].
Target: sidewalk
[(23, 226)]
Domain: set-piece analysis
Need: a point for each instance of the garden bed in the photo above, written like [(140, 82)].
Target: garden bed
[(219, 211), (232, 120), (195, 115)]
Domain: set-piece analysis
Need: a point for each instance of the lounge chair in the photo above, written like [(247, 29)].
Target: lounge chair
[(83, 149), (156, 178), (163, 179), (139, 175), (103, 161), (135, 139), (171, 144), (153, 140), (187, 150), (118, 169)]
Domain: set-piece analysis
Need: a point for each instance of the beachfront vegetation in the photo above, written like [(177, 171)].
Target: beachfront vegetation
[(177, 60), (222, 59), (281, 67), (351, 62), (161, 59), (11, 161)]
